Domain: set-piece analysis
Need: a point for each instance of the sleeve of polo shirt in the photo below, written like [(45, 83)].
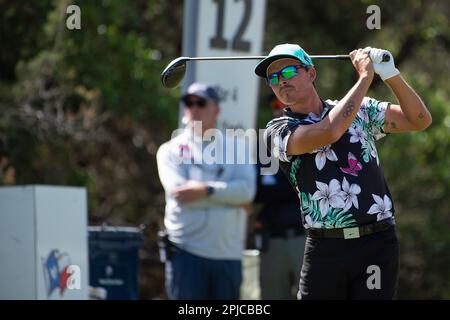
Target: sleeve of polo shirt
[(240, 187), (170, 172), (277, 135), (239, 190), (376, 111)]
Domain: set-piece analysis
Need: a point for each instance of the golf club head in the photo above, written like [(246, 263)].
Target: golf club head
[(174, 72)]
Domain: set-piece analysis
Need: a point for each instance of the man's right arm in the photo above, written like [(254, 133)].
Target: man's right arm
[(310, 137)]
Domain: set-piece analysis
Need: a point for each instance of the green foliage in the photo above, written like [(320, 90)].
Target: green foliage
[(21, 33), (85, 107)]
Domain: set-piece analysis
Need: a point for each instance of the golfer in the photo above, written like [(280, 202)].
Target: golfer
[(327, 149)]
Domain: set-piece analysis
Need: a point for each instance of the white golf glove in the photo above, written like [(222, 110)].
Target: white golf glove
[(386, 69)]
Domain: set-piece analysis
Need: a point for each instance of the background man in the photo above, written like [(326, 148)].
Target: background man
[(204, 217)]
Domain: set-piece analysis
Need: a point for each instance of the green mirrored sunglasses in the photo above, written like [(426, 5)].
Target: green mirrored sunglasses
[(287, 73)]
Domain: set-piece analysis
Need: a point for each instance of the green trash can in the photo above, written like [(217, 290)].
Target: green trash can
[(114, 260)]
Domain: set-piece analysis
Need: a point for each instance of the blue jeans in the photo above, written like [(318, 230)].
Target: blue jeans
[(190, 277)]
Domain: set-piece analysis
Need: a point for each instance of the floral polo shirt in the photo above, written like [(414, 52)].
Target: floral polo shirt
[(339, 185)]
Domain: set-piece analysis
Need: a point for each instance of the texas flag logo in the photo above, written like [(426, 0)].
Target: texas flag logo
[(56, 271)]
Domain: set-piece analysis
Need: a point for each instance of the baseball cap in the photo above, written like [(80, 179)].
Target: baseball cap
[(281, 51), (201, 90)]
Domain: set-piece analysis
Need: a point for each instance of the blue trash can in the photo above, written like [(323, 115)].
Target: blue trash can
[(114, 261)]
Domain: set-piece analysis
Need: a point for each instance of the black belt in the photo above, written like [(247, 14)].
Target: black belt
[(287, 233), (352, 233)]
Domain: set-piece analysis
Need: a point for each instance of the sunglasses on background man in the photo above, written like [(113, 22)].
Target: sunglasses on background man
[(189, 103)]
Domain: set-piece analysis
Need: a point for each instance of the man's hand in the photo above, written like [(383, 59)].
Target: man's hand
[(386, 69), (362, 63), (191, 191)]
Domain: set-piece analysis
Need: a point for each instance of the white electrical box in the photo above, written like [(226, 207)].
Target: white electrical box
[(43, 243)]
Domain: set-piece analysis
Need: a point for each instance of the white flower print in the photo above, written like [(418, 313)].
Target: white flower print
[(323, 154), (374, 152), (381, 207), (314, 116), (362, 113), (358, 134), (312, 224), (349, 194), (276, 147), (328, 195)]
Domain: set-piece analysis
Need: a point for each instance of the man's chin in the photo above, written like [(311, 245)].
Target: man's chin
[(287, 99), (287, 96)]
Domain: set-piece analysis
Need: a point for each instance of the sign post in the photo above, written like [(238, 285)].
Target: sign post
[(226, 28)]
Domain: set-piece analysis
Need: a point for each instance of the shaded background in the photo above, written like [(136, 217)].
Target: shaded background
[(86, 108)]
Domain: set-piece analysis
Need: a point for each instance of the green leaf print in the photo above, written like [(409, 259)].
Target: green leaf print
[(374, 111), (369, 128), (335, 217), (293, 173), (311, 207), (366, 153), (360, 123)]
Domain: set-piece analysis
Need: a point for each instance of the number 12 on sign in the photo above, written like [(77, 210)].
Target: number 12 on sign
[(239, 44)]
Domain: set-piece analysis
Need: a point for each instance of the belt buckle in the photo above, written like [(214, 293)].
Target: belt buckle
[(351, 233)]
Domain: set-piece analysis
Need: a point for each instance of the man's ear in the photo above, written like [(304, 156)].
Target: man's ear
[(216, 109), (312, 73)]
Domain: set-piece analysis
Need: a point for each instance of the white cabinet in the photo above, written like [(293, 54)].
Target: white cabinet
[(43, 243)]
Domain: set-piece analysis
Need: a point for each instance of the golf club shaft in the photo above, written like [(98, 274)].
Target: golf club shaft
[(174, 72), (337, 57)]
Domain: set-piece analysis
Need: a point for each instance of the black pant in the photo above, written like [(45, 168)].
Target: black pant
[(362, 268)]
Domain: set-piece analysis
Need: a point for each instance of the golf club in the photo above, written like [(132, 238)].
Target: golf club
[(175, 70)]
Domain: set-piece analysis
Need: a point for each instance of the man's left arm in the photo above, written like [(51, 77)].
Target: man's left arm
[(236, 192), (410, 114)]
